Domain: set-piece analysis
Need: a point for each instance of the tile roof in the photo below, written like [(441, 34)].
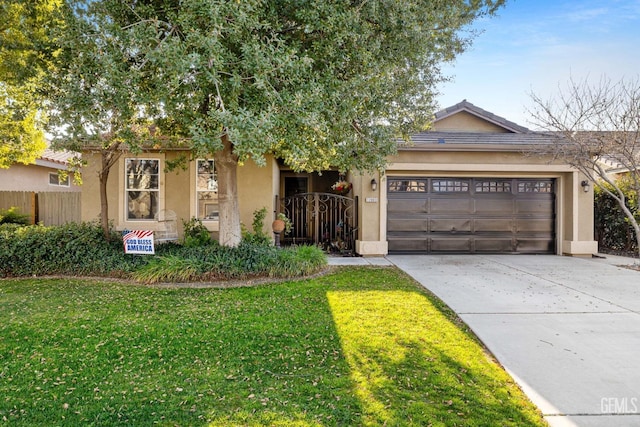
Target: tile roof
[(55, 159), (444, 140), (483, 114), (61, 157)]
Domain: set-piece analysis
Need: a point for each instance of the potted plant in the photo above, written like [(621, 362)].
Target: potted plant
[(281, 223), (341, 187)]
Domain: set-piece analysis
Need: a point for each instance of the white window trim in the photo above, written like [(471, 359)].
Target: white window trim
[(210, 224), (67, 184), (147, 224), (198, 191)]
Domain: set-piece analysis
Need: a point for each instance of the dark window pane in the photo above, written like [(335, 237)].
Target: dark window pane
[(142, 204), (207, 190), (407, 185), (542, 186), (450, 186), (493, 186)]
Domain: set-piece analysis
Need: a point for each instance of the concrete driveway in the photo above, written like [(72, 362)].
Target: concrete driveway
[(566, 329)]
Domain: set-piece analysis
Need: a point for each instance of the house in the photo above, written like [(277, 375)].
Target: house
[(39, 191), (41, 176), (471, 184)]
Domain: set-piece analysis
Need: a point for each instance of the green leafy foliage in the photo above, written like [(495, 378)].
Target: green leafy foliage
[(316, 84), (81, 249), (12, 216), (195, 233), (21, 127), (612, 227), (74, 249), (27, 52), (294, 261), (247, 260), (257, 235), (288, 225)]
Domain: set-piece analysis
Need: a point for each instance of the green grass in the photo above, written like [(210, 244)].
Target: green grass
[(360, 346)]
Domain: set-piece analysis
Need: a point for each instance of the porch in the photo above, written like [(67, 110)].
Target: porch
[(324, 219)]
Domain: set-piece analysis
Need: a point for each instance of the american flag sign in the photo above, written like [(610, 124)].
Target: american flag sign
[(138, 242)]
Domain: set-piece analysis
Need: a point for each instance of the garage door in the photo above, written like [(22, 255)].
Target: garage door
[(471, 215)]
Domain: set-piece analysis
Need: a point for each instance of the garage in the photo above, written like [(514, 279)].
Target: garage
[(471, 215)]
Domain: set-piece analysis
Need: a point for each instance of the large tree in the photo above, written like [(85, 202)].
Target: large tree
[(597, 124), (27, 53), (315, 83), (95, 94)]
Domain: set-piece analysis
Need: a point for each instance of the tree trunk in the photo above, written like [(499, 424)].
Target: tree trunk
[(109, 158), (226, 166), (103, 176)]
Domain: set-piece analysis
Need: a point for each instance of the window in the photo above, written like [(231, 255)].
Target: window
[(54, 179), (407, 185), (492, 186), (142, 188), (450, 186), (206, 190), (542, 186)]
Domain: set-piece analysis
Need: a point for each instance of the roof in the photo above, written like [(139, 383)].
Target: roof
[(55, 159), (482, 114), (517, 138), (477, 140)]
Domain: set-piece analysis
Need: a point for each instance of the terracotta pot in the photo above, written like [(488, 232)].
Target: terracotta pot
[(278, 226)]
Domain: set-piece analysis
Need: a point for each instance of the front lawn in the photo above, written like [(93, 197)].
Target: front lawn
[(360, 346)]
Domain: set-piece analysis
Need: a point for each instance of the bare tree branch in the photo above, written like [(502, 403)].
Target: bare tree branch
[(596, 124)]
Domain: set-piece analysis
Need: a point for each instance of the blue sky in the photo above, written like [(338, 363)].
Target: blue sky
[(536, 46)]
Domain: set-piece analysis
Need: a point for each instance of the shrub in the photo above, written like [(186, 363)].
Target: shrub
[(220, 262), (195, 233), (612, 228), (169, 268), (12, 216), (298, 261), (257, 236), (76, 249), (81, 249)]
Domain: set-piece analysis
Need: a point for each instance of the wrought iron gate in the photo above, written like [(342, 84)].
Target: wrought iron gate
[(325, 219)]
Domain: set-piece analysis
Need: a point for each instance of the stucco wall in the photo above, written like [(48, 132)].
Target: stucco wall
[(257, 190), (466, 122), (91, 189), (574, 207), (417, 160), (175, 197), (257, 187), (31, 178)]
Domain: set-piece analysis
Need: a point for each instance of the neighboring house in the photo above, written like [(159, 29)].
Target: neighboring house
[(469, 185), (613, 167), (38, 191), (41, 176)]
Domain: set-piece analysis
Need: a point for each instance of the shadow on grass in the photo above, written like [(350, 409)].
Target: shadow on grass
[(413, 364), (362, 346), (80, 353)]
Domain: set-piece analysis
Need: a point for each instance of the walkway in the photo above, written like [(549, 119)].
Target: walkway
[(566, 329)]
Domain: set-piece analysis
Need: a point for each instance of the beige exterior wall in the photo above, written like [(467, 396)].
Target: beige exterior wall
[(574, 207), (31, 178), (257, 187), (372, 233), (91, 189), (466, 122)]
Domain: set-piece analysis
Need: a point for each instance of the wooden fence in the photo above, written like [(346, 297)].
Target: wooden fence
[(48, 208)]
